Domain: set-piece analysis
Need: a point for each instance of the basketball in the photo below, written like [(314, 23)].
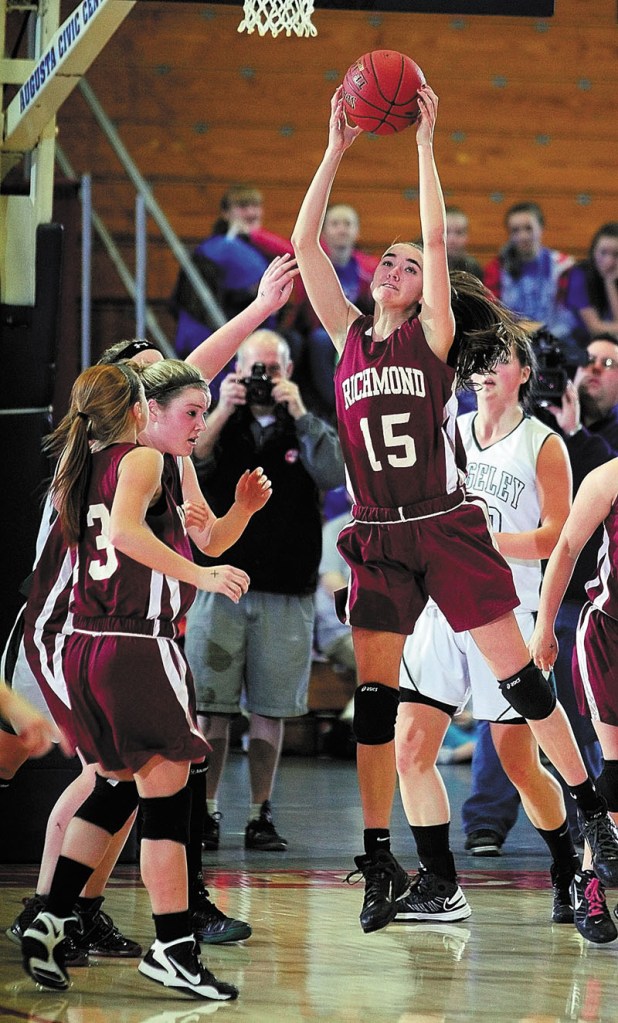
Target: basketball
[(380, 91)]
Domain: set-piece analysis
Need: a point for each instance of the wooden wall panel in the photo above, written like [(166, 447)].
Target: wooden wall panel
[(527, 111)]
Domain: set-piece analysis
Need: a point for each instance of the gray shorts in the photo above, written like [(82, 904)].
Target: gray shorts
[(263, 645)]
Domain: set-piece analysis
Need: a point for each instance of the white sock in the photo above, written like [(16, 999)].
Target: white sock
[(212, 806)]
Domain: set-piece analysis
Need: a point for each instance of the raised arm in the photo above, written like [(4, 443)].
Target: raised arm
[(436, 314), (274, 290), (252, 492), (318, 273), (139, 482)]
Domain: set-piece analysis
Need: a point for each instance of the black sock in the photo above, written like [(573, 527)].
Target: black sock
[(376, 840), (432, 844), (68, 880), (170, 926), (197, 785), (588, 799), (560, 845)]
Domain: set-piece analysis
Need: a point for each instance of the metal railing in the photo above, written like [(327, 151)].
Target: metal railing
[(145, 204)]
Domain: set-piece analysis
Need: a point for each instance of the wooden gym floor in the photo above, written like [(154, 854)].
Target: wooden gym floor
[(308, 959)]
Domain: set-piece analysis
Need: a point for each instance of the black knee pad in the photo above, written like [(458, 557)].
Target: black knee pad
[(607, 784), (109, 805), (530, 693), (167, 817), (375, 712)]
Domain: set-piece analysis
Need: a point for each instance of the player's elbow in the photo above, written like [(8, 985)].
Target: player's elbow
[(120, 537), (302, 241)]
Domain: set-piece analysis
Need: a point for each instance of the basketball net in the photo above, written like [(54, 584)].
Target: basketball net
[(275, 16)]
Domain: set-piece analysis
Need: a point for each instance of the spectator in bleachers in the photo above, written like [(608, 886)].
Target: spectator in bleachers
[(589, 290), (231, 260), (457, 227), (525, 273)]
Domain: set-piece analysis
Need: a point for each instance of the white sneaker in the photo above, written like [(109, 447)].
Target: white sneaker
[(42, 952), (432, 898), (176, 964)]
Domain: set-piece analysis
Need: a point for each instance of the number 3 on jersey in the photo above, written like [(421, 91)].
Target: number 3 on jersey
[(402, 459), (102, 569)]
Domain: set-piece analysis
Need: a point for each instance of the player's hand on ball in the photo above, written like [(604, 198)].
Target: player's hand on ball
[(428, 106), (341, 134), (253, 490)]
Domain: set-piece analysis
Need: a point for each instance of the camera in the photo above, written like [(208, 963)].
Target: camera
[(259, 386), (553, 365)]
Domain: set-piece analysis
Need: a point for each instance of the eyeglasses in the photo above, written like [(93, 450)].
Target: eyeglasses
[(596, 360)]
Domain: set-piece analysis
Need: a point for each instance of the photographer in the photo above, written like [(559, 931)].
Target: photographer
[(590, 404), (264, 643)]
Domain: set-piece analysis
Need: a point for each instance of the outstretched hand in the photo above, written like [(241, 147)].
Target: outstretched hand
[(341, 134), (277, 283), (253, 490), (428, 107)]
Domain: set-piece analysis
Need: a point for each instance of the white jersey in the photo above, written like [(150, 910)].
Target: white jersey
[(504, 475)]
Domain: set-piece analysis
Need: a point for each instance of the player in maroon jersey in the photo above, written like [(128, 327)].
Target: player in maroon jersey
[(97, 933), (595, 656), (413, 533), (125, 513)]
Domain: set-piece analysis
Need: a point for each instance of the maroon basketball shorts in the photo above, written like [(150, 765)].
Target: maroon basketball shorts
[(595, 665), (131, 697), (395, 567)]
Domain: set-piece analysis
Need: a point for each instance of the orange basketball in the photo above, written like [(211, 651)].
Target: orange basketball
[(380, 91)]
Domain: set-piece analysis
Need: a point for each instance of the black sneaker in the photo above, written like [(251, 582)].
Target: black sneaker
[(32, 908), (261, 833), (601, 834), (592, 917), (385, 882), (432, 898), (484, 842), (97, 935), (210, 925), (74, 956), (42, 950), (212, 831), (562, 907), (176, 964)]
